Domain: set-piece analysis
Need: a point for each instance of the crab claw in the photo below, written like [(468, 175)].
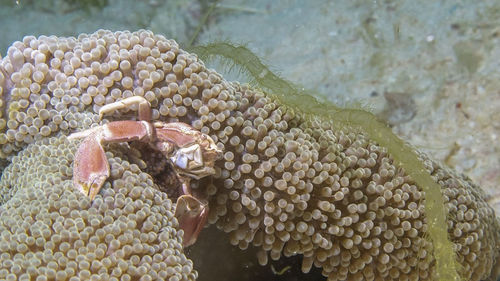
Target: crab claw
[(91, 168), (192, 215)]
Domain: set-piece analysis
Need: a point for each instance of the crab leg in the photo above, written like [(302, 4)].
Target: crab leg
[(91, 168), (144, 110)]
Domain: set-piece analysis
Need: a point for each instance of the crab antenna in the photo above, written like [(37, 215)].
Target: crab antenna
[(144, 110)]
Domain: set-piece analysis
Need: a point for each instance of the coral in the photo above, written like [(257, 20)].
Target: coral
[(335, 190), (49, 230)]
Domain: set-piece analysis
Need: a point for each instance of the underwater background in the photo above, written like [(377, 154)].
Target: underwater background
[(430, 69)]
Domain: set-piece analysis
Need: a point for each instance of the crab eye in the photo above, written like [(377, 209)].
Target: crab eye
[(181, 161)]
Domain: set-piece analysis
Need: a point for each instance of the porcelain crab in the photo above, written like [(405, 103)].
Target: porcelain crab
[(190, 153)]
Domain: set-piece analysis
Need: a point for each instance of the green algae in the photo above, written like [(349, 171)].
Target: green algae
[(251, 64), (355, 120)]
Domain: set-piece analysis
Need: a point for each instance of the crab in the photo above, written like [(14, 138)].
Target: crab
[(190, 153)]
